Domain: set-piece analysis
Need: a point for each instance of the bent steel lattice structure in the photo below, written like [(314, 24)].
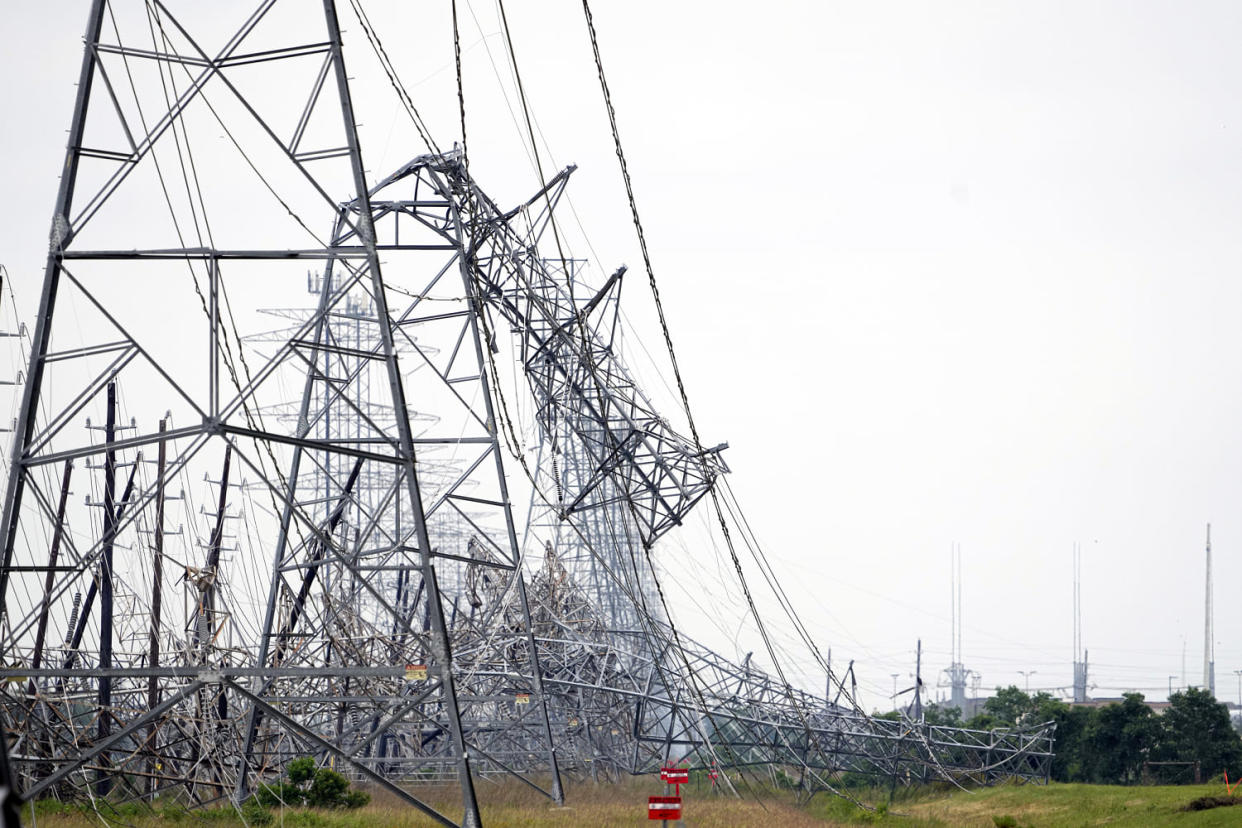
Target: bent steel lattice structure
[(355, 584)]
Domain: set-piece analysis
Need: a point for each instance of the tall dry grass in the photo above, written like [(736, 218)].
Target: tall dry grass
[(510, 804), (504, 804)]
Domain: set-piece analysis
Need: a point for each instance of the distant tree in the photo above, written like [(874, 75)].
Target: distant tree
[(1071, 723), (1042, 707), (942, 715), (1196, 726), (1009, 706), (1117, 740), (985, 721)]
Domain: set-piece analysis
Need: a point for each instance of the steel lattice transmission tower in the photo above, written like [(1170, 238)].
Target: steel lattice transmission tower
[(164, 236)]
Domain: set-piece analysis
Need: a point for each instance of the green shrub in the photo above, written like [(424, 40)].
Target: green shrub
[(51, 807), (309, 785), (254, 813), (300, 771), (354, 799), (326, 789), (280, 794)]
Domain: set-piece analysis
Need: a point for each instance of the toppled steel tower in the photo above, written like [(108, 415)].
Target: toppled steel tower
[(354, 584)]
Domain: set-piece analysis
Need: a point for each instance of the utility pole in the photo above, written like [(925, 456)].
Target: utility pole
[(157, 588), (895, 675), (918, 683), (1026, 674), (828, 677), (104, 780)]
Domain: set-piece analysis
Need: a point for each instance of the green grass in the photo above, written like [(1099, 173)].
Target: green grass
[(1007, 806), (1052, 806)]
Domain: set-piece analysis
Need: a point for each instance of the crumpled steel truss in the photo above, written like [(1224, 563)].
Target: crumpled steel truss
[(687, 701), (355, 585), (566, 344)]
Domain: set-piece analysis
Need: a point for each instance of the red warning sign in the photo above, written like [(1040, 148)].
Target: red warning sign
[(664, 807), (675, 776)]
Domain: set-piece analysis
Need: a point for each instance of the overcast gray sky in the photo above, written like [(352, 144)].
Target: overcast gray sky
[(940, 273)]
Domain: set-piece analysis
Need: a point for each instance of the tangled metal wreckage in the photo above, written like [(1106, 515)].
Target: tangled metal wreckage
[(315, 549)]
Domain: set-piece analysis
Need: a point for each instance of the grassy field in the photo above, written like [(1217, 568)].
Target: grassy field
[(1010, 806), (1063, 806)]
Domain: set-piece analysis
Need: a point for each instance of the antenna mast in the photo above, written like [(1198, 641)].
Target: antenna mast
[(1209, 650), (957, 671), (1080, 666)]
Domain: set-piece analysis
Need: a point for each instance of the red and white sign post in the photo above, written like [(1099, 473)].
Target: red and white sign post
[(675, 776), (668, 807), (664, 807)]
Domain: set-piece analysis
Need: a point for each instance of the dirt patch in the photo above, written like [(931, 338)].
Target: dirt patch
[(1205, 803)]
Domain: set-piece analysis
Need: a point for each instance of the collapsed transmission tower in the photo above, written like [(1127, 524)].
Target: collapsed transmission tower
[(378, 603)]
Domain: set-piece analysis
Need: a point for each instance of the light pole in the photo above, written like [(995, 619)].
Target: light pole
[(1238, 673), (894, 675), (1026, 674)]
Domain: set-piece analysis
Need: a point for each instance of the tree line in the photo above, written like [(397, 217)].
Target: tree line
[(1109, 745)]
